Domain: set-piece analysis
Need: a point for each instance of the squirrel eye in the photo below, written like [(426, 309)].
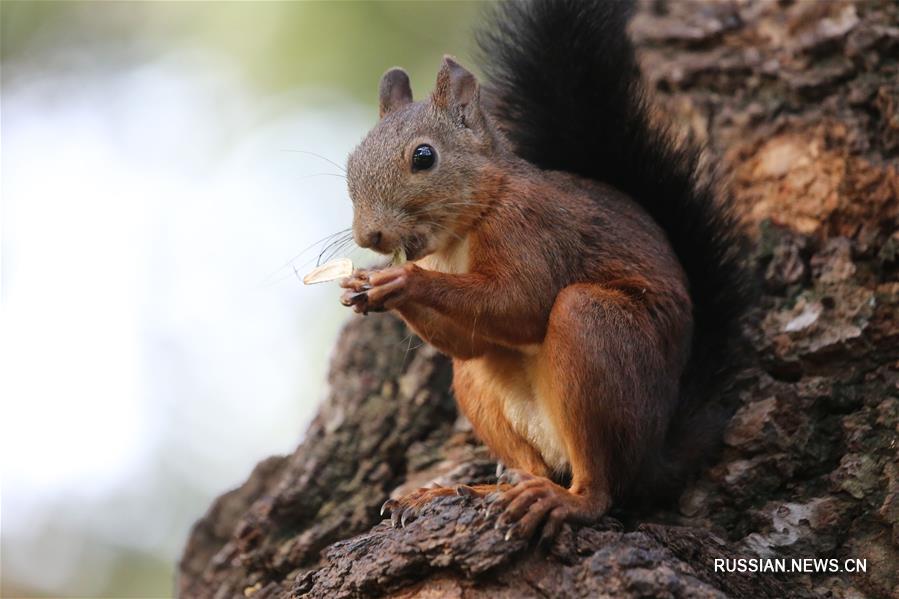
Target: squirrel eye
[(423, 157)]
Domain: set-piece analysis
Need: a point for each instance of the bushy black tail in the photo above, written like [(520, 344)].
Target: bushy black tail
[(564, 82)]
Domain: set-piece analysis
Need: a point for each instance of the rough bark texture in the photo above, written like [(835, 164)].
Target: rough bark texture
[(799, 103)]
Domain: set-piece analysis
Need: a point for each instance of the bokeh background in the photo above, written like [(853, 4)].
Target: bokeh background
[(166, 172)]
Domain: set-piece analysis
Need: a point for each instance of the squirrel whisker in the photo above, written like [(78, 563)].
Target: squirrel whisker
[(322, 175), (328, 160), (334, 247)]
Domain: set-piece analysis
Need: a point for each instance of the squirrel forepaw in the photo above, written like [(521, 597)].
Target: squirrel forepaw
[(378, 291), (405, 509)]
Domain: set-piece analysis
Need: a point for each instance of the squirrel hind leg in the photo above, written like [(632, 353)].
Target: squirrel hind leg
[(608, 386)]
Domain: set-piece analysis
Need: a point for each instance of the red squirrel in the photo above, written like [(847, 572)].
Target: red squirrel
[(563, 251)]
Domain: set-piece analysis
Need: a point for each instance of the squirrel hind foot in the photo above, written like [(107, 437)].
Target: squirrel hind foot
[(536, 500)]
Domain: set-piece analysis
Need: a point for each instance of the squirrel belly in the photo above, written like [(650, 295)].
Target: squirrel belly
[(501, 392)]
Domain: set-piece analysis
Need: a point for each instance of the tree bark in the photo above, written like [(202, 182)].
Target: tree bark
[(799, 104)]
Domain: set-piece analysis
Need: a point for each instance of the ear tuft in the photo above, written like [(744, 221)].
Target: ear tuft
[(456, 86), (394, 91)]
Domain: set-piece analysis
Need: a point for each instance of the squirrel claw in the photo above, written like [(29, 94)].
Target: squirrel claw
[(395, 519), (389, 505), (353, 299), (408, 516), (510, 533), (465, 491)]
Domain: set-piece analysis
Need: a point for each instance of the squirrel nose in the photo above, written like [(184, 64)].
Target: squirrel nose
[(373, 239)]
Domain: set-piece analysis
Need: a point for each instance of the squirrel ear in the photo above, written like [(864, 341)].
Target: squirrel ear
[(394, 91), (456, 86)]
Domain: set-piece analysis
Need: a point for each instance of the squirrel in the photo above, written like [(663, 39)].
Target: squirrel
[(565, 252)]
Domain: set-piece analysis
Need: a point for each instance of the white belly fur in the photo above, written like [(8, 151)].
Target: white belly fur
[(513, 384), (452, 260)]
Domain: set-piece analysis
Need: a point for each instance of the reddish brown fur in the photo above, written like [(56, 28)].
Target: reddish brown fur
[(571, 298)]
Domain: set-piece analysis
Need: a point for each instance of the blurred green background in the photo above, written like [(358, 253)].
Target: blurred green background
[(163, 169)]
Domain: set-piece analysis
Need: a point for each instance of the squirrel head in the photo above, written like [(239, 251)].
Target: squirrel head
[(414, 178)]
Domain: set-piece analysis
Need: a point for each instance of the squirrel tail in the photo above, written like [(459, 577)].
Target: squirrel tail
[(564, 83)]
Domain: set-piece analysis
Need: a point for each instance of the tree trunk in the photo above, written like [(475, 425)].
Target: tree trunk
[(799, 103)]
